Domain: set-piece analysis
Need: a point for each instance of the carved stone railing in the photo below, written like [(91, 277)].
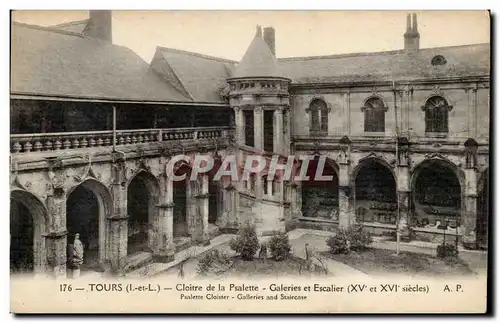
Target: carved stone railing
[(38, 142)]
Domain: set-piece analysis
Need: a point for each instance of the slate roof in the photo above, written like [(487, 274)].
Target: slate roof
[(73, 26), (47, 61), (258, 60), (467, 60), (197, 76)]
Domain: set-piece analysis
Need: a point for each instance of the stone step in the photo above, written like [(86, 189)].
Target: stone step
[(155, 269), (138, 260), (182, 243), (213, 231)]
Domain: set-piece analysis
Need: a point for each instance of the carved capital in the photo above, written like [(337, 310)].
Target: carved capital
[(57, 177), (119, 173), (118, 156), (408, 91)]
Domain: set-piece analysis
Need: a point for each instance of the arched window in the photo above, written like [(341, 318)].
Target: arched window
[(318, 114), (436, 114), (374, 110)]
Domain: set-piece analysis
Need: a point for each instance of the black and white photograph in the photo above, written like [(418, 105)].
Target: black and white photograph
[(237, 161)]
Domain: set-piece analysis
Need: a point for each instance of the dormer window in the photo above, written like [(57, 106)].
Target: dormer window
[(438, 60)]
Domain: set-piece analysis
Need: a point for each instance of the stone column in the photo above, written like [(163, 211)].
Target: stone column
[(405, 112), (278, 130), (404, 221), (259, 186), (240, 125), (269, 187), (204, 209), (166, 248), (117, 236), (258, 127), (56, 238), (346, 216), (286, 132), (295, 209), (230, 216), (191, 208), (403, 195), (469, 214), (346, 122), (471, 115), (296, 200)]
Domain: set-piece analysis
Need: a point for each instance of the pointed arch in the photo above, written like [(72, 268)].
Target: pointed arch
[(143, 191), (320, 198), (375, 191), (88, 205), (370, 160), (35, 213), (438, 188)]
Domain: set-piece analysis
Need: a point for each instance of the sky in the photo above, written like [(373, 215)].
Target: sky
[(227, 34)]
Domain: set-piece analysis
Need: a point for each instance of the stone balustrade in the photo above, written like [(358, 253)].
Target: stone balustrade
[(26, 143)]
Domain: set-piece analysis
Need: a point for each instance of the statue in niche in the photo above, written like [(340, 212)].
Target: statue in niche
[(76, 256)]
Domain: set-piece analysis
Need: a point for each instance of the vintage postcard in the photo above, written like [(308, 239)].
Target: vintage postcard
[(249, 161)]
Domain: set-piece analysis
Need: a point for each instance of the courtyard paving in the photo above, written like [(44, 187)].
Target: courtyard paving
[(476, 260)]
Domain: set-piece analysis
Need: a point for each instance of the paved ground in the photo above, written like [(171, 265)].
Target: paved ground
[(298, 239), (477, 260)]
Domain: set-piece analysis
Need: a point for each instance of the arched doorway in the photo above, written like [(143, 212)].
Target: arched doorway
[(320, 198), (437, 201), (142, 197), (86, 209), (180, 196), (27, 227), (483, 211), (375, 193)]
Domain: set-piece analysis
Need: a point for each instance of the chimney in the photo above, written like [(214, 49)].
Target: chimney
[(411, 36), (99, 25), (269, 38), (258, 33)]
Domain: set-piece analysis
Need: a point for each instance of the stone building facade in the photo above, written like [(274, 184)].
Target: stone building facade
[(403, 134)]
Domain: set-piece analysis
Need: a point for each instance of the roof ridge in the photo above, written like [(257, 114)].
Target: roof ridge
[(71, 33), (52, 29), (225, 60), (358, 54), (70, 23)]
